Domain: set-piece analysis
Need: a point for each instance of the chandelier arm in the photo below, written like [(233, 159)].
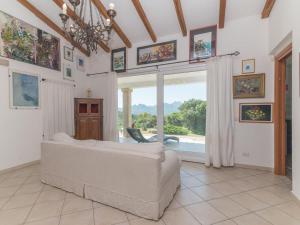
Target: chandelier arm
[(91, 12), (81, 8)]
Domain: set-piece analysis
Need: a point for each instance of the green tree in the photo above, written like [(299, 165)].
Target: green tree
[(194, 115), (175, 119), (145, 121)]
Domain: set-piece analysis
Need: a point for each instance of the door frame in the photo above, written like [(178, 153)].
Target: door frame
[(279, 111)]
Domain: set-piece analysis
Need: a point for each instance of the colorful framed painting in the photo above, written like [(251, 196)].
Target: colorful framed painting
[(24, 90), (68, 54), (256, 112), (118, 60), (160, 52), (68, 72), (80, 63), (248, 66), (23, 42), (249, 86), (203, 43)]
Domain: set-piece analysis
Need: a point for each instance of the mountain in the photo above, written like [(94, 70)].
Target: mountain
[(151, 109)]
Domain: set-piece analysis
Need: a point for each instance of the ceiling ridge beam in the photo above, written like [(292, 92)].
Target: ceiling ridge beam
[(222, 13), (180, 16), (51, 24), (102, 10), (267, 8), (82, 24), (144, 19)]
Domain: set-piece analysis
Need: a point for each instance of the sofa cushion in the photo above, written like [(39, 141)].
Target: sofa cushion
[(149, 148)]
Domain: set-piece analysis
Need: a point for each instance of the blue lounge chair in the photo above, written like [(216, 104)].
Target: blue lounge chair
[(137, 135)]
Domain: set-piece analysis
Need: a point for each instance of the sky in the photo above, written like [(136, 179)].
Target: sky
[(172, 93)]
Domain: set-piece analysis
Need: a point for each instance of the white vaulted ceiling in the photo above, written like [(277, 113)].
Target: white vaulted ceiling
[(162, 15)]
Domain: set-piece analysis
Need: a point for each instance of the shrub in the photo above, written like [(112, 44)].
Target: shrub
[(171, 129)]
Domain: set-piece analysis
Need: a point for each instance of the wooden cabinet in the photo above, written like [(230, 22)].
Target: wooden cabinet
[(88, 118)]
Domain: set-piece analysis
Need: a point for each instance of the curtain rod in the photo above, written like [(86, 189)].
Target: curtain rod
[(236, 53)]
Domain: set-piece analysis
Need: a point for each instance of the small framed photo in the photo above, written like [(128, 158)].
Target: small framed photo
[(203, 43), (249, 86), (248, 66), (24, 90), (118, 60), (68, 72), (68, 54), (80, 63), (256, 112)]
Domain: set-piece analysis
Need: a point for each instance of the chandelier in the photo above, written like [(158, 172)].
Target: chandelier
[(87, 31)]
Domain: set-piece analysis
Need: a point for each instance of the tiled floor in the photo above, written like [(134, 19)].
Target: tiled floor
[(232, 196)]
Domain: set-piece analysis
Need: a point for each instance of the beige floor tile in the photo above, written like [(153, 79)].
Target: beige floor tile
[(7, 191), (277, 217), (30, 188), (76, 204), (14, 216), (226, 188), (228, 207), (146, 222), (250, 219), (106, 216), (132, 217), (3, 201), (226, 222), (248, 202), (55, 195), (281, 191), (18, 201), (174, 205), (12, 182), (243, 185), (45, 210), (291, 208), (33, 179), (208, 178), (205, 213), (266, 197), (179, 217), (207, 192), (78, 218), (191, 182), (50, 221), (187, 197)]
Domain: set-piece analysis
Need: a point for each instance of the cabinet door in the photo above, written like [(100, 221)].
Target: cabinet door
[(94, 108), (94, 128), (82, 128), (82, 108)]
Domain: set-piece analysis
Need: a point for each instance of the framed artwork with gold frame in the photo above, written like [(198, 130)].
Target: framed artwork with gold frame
[(249, 86), (256, 113)]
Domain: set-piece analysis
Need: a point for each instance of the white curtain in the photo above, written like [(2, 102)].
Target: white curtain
[(58, 108), (111, 108), (219, 113)]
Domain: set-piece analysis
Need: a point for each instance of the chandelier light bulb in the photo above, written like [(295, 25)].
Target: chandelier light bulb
[(64, 8), (111, 6), (107, 22)]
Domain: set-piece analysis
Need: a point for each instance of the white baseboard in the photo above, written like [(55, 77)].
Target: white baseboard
[(19, 167), (254, 167)]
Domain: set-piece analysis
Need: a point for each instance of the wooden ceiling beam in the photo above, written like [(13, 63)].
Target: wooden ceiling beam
[(267, 8), (144, 18), (51, 24), (180, 16), (222, 14), (102, 10), (74, 17)]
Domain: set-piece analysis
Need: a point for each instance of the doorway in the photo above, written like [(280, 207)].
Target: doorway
[(283, 113)]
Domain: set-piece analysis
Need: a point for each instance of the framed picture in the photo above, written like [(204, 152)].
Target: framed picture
[(24, 90), (249, 86), (68, 54), (118, 60), (203, 43), (160, 52), (256, 112), (248, 66), (80, 63), (68, 72)]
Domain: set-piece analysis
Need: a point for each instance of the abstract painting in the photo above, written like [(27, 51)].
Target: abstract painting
[(24, 90), (23, 42), (68, 72), (249, 86), (256, 112), (160, 52), (80, 63), (118, 60), (203, 43), (68, 54), (248, 66)]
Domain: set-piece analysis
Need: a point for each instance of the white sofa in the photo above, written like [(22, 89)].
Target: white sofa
[(118, 175)]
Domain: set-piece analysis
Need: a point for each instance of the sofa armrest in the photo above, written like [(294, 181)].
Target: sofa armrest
[(170, 166)]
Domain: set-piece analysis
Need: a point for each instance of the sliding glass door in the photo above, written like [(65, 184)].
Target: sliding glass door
[(169, 107)]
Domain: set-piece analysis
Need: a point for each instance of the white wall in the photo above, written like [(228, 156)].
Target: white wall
[(21, 130), (253, 142), (285, 19)]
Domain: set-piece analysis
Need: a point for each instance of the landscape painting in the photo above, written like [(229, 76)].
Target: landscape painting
[(23, 42), (249, 86), (118, 60), (256, 112), (24, 91), (160, 52)]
